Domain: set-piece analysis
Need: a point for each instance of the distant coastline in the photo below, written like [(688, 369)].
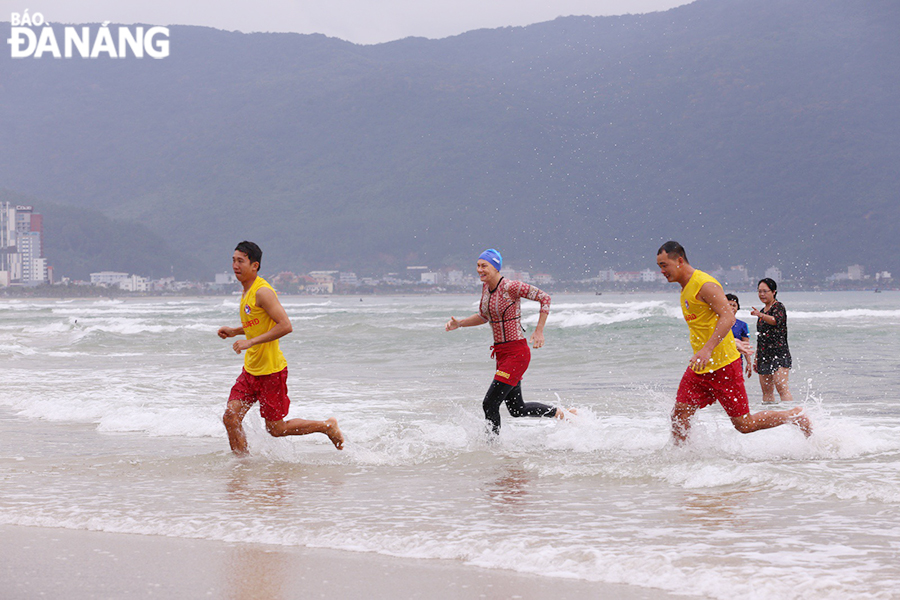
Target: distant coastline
[(50, 292)]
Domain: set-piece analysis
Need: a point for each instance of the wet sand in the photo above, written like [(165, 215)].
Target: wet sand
[(78, 565)]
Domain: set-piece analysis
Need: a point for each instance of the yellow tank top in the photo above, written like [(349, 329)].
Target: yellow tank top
[(262, 359), (701, 320)]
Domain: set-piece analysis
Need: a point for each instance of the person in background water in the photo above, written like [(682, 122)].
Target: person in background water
[(741, 334), (264, 376), (773, 357), (714, 373), (501, 307)]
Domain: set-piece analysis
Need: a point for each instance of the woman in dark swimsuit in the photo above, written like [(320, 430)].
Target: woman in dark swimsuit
[(773, 357), (500, 306)]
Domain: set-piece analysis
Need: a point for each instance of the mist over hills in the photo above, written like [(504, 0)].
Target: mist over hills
[(756, 132)]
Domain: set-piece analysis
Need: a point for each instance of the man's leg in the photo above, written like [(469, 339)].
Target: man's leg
[(781, 384), (681, 421), (773, 418), (767, 384), (519, 408), (234, 415), (303, 427)]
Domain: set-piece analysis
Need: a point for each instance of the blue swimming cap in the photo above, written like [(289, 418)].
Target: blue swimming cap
[(493, 257)]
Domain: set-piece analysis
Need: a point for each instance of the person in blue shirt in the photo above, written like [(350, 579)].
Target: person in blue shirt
[(741, 334)]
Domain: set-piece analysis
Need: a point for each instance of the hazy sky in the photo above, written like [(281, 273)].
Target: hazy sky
[(360, 21)]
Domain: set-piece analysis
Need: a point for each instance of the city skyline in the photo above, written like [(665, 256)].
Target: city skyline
[(22, 258)]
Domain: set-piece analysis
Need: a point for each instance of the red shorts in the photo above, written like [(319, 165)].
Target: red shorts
[(512, 361), (725, 386), (269, 390)]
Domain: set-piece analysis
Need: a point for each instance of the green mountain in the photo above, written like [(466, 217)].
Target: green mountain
[(756, 132)]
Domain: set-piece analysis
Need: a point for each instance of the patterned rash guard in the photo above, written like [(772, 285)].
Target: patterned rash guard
[(502, 308)]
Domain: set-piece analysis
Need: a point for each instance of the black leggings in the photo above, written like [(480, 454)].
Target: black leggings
[(500, 392)]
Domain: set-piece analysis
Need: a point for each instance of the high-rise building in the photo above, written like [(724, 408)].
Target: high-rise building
[(21, 246)]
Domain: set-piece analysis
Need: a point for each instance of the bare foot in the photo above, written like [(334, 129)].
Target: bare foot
[(799, 418), (334, 433), (561, 413)]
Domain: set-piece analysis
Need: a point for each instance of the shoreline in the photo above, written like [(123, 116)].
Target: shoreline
[(91, 564)]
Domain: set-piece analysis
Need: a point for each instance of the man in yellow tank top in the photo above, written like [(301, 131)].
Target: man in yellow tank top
[(264, 376), (714, 372)]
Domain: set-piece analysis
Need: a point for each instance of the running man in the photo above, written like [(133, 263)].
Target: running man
[(501, 307), (714, 372), (264, 376)]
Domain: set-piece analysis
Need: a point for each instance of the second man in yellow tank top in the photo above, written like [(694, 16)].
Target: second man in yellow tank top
[(714, 371)]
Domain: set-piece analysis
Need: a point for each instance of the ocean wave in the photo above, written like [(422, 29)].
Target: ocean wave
[(849, 313)]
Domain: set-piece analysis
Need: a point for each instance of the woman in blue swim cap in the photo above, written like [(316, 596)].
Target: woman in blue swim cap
[(501, 307)]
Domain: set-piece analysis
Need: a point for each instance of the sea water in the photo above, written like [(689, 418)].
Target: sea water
[(110, 420)]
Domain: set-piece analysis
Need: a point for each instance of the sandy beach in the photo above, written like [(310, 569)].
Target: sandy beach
[(78, 565)]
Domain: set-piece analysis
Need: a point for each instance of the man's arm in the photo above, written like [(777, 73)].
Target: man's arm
[(267, 300), (713, 295), (228, 332)]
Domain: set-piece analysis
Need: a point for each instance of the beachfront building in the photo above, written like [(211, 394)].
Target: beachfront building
[(433, 278), (324, 282), (606, 275), (108, 278), (22, 246), (774, 273), (348, 278), (736, 276), (135, 283), (628, 276), (853, 273), (652, 276), (512, 273)]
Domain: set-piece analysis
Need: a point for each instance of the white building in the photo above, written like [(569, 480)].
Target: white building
[(628, 276), (651, 276), (33, 267), (736, 276), (21, 246), (606, 275), (324, 282), (348, 279), (432, 278), (774, 273), (108, 278), (523, 276), (135, 284)]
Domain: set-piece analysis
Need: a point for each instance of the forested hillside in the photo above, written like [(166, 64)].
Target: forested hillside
[(755, 132)]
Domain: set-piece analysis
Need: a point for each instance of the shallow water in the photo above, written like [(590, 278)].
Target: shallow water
[(110, 420)]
